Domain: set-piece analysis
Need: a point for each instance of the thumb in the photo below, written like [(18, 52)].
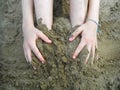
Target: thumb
[(76, 33), (41, 35)]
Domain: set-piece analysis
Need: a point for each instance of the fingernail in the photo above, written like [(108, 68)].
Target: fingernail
[(43, 61), (34, 67), (74, 57), (50, 41), (71, 38)]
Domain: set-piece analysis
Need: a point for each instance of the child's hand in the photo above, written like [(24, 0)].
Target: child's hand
[(30, 36), (88, 32)]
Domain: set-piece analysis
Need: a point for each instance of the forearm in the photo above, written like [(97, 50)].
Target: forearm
[(44, 10), (78, 9), (27, 11), (93, 11)]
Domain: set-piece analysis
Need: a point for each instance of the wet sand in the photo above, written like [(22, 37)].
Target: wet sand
[(59, 72)]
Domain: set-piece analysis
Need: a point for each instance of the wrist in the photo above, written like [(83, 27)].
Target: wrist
[(27, 25), (27, 22), (82, 21), (94, 21), (27, 28)]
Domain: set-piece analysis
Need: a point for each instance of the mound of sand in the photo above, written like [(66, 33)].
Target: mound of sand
[(59, 72)]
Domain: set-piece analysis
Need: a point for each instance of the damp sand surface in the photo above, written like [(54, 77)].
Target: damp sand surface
[(60, 71)]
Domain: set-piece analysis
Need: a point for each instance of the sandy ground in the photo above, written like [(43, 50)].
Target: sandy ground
[(59, 74)]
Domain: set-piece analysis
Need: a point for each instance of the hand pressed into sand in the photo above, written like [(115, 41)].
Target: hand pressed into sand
[(30, 36), (88, 31)]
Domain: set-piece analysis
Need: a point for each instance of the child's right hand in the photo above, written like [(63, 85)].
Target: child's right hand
[(30, 35)]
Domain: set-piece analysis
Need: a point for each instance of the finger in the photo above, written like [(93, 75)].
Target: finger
[(79, 48), (43, 36), (29, 55), (26, 56), (89, 52), (37, 53), (76, 33), (86, 60), (25, 53), (96, 51), (93, 53), (96, 44)]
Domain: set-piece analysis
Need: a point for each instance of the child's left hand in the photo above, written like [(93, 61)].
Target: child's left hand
[(88, 31)]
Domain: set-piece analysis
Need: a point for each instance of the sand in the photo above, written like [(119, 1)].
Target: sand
[(59, 72)]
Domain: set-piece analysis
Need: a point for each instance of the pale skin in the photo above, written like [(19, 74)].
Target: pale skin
[(78, 16), (31, 33), (88, 29)]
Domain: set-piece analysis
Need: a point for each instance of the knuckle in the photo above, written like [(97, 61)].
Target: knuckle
[(39, 57), (29, 44), (38, 53), (40, 32), (76, 32), (89, 40), (79, 47), (76, 52)]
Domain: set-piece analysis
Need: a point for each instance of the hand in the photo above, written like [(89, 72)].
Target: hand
[(30, 35), (88, 32)]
